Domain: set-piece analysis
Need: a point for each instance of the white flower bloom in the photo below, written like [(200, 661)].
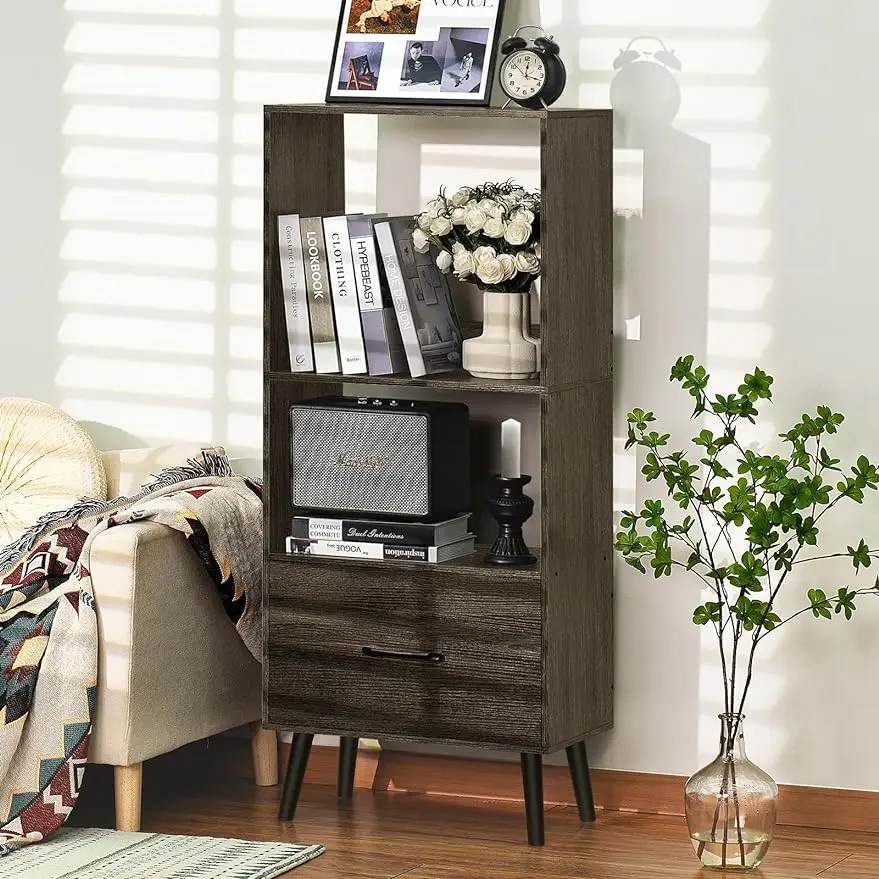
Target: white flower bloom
[(441, 226), (491, 207), (481, 254), (517, 233), (420, 241), (433, 208), (464, 263), (458, 216), (527, 262), (490, 271), (457, 247), (475, 219), (424, 222), (494, 227), (461, 197), (444, 261), (508, 262), (523, 214), (538, 250)]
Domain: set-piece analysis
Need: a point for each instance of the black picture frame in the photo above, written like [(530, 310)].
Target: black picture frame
[(394, 47)]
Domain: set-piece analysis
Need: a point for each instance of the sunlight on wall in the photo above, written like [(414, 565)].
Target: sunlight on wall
[(162, 207), (724, 52)]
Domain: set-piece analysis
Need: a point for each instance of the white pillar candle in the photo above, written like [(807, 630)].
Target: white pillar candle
[(511, 448)]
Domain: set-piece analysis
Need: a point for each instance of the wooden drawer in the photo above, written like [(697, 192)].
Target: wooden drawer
[(407, 654)]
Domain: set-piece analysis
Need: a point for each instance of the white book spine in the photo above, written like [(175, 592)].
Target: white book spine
[(359, 550), (349, 333), (295, 294), (366, 272), (397, 288)]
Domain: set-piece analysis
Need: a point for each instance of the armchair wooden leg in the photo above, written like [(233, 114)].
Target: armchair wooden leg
[(264, 744), (128, 781)]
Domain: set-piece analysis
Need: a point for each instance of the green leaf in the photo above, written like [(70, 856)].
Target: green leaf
[(701, 616), (819, 603), (860, 555), (845, 602), (661, 562), (652, 513), (636, 563)]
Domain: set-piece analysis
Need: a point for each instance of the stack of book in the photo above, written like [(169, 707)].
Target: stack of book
[(359, 300), (431, 542)]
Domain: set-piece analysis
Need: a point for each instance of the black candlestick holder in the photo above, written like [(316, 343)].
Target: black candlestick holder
[(511, 507)]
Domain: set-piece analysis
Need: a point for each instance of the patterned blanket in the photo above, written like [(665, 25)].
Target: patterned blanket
[(48, 628)]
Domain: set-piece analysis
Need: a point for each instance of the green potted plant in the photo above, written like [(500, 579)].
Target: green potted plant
[(742, 521)]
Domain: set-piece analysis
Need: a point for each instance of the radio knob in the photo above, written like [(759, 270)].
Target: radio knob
[(393, 404), (376, 402), (361, 401)]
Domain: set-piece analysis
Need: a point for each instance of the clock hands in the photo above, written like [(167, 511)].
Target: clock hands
[(523, 72)]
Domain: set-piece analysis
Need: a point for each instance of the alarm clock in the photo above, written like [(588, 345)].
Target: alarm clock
[(532, 74)]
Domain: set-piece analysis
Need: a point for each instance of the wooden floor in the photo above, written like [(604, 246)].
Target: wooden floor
[(385, 835)]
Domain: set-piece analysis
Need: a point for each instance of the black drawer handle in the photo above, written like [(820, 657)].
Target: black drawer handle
[(433, 656)]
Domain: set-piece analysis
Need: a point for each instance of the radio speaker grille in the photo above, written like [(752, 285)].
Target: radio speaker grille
[(369, 461)]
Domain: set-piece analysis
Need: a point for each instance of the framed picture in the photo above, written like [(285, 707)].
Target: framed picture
[(415, 51)]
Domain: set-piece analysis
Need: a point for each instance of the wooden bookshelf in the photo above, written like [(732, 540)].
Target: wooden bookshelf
[(527, 653)]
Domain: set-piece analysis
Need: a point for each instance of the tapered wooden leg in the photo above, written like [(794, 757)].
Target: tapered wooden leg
[(579, 766), (532, 780), (264, 744), (128, 781), (299, 752), (347, 765)]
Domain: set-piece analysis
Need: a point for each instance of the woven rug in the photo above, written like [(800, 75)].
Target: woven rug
[(87, 853)]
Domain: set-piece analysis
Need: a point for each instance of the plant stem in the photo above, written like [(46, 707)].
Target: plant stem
[(832, 555), (735, 793)]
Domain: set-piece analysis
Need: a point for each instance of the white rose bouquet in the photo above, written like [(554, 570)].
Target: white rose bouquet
[(488, 235)]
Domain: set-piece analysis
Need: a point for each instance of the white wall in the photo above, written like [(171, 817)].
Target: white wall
[(130, 163)]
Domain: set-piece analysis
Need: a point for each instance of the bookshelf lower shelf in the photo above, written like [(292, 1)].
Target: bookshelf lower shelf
[(473, 564)]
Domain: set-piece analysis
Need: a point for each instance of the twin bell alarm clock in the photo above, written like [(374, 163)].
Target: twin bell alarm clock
[(532, 74)]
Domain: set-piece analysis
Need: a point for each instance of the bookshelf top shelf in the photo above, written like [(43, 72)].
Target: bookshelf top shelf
[(379, 109)]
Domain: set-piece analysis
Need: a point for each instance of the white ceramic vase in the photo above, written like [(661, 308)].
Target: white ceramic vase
[(502, 351)]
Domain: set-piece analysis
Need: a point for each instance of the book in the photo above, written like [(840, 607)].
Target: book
[(320, 307), (383, 551), (420, 292), (381, 333), (375, 531), (295, 298), (340, 263)]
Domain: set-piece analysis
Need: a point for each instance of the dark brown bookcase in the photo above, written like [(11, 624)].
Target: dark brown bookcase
[(527, 652)]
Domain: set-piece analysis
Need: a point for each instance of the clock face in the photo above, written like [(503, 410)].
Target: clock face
[(523, 74)]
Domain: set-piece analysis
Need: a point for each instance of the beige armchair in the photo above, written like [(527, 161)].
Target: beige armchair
[(172, 669)]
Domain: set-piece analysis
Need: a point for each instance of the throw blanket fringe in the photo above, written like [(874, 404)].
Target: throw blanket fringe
[(212, 462)]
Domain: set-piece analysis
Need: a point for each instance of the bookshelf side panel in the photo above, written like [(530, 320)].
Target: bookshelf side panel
[(304, 173), (578, 641), (577, 244)]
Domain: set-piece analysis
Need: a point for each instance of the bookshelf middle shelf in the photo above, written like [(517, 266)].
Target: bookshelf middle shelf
[(458, 380)]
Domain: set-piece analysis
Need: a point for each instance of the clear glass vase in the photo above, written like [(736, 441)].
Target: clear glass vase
[(731, 805)]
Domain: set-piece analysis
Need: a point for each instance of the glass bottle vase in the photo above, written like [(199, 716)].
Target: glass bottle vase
[(731, 805)]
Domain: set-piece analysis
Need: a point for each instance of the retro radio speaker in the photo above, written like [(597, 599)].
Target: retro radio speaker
[(380, 457)]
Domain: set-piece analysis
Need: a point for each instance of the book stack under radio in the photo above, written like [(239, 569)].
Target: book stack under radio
[(431, 542), (360, 300)]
